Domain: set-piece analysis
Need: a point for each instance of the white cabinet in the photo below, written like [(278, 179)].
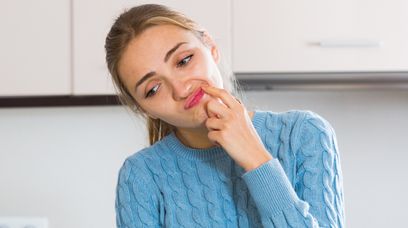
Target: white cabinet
[(57, 47), (320, 35), (93, 19), (35, 48)]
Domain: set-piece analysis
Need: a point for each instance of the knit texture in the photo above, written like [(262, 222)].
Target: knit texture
[(171, 185)]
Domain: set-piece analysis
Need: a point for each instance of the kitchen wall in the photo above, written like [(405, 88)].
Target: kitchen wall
[(62, 163)]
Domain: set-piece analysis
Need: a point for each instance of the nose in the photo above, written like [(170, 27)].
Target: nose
[(181, 89)]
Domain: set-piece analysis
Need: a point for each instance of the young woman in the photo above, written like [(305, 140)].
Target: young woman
[(211, 162)]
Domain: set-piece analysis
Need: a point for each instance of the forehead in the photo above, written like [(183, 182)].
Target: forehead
[(148, 49), (159, 37)]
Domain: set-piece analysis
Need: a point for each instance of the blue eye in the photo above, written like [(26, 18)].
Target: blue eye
[(152, 91), (184, 61)]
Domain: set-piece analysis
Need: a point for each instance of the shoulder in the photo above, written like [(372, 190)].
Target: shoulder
[(314, 129), (299, 118), (294, 126), (291, 118), (137, 165), (316, 121), (311, 134)]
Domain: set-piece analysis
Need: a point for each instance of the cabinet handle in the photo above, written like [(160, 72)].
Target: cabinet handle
[(349, 43)]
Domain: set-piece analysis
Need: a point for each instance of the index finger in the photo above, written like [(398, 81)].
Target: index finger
[(225, 97)]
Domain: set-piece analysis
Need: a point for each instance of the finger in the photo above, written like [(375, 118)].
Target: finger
[(213, 112), (226, 97), (214, 136), (217, 109), (214, 124)]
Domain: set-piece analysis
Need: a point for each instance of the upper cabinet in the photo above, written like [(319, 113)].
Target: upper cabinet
[(320, 35), (35, 48), (57, 47), (93, 19)]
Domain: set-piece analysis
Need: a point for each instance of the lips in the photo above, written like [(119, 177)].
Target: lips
[(194, 98)]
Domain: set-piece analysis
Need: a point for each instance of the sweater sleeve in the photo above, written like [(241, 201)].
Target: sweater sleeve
[(137, 203), (317, 199)]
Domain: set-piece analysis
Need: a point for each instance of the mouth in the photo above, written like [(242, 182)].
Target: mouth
[(194, 98)]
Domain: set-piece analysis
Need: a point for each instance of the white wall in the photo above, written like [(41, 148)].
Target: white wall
[(62, 162)]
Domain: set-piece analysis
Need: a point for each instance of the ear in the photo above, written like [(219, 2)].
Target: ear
[(210, 43)]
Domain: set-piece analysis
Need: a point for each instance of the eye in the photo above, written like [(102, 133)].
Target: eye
[(184, 61), (153, 91)]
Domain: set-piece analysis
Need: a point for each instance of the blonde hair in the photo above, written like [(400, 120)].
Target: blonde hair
[(129, 25)]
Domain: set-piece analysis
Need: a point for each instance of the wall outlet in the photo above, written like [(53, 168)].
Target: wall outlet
[(23, 222)]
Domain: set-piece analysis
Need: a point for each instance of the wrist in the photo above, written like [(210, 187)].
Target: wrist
[(255, 163)]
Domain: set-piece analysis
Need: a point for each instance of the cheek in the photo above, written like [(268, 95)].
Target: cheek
[(208, 70), (156, 109), (152, 109)]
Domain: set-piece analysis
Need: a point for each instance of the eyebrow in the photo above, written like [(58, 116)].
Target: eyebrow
[(166, 58)]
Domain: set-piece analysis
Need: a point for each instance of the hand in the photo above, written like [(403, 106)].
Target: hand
[(230, 126)]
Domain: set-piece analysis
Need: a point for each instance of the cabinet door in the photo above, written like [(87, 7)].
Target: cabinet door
[(93, 19), (35, 48), (320, 35)]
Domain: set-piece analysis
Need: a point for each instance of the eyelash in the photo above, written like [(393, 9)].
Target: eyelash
[(180, 64), (153, 91)]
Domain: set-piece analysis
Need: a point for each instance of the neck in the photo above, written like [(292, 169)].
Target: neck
[(197, 138), (194, 138)]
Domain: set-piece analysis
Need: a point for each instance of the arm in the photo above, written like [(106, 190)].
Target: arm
[(317, 199), (136, 202)]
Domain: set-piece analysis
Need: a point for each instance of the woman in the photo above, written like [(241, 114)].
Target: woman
[(211, 162)]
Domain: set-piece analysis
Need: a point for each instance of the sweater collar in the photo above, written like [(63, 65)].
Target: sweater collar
[(213, 153)]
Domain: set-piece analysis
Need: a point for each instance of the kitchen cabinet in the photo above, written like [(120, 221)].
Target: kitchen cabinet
[(57, 47), (35, 48), (272, 36), (93, 19)]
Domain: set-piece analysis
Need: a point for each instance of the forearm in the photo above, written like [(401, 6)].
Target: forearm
[(256, 159)]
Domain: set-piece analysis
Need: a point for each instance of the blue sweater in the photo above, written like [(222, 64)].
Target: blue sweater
[(171, 185)]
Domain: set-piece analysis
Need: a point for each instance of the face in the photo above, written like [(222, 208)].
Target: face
[(163, 67)]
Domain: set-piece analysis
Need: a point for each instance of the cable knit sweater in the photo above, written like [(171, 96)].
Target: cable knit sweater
[(171, 185)]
